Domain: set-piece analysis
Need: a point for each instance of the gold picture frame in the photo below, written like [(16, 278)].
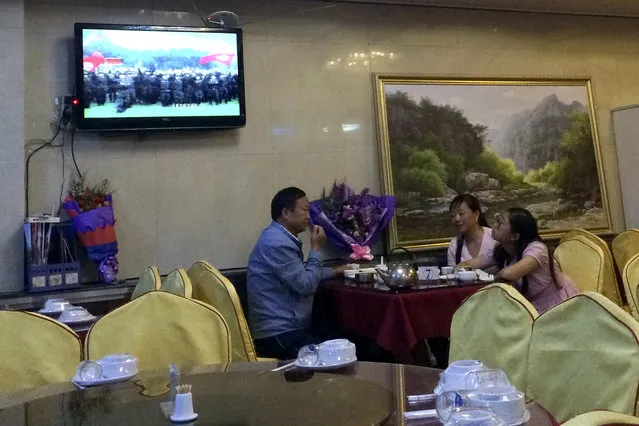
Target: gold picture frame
[(511, 142)]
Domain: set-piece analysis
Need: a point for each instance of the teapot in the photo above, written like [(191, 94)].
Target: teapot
[(399, 275)]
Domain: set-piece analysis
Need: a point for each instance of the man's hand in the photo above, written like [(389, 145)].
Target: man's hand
[(318, 237)]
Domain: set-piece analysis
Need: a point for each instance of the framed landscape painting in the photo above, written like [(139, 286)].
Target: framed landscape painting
[(523, 143)]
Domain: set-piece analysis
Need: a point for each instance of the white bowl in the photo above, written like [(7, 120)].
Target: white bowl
[(119, 365), (466, 276), (55, 305), (453, 378), (350, 273), (337, 351), (75, 314), (464, 366)]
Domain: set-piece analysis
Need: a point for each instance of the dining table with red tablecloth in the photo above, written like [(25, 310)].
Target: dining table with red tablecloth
[(395, 320)]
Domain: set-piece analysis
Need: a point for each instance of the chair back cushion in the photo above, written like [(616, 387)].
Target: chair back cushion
[(210, 286), (610, 287), (624, 246), (583, 261), (160, 328), (584, 356), (36, 351), (494, 326), (630, 278), (602, 418), (178, 282), (148, 281)]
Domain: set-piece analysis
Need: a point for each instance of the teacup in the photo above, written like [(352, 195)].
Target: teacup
[(75, 313), (506, 402), (118, 365), (56, 305), (488, 378), (453, 378), (88, 371), (337, 351), (447, 270)]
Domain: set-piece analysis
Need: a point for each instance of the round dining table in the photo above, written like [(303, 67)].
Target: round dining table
[(242, 394)]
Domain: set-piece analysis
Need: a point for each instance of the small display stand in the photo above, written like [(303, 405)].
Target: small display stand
[(51, 256)]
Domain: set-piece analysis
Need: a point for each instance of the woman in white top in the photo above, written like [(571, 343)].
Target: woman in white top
[(475, 237)]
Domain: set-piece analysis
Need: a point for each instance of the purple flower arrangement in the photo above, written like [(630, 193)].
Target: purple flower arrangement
[(351, 219)]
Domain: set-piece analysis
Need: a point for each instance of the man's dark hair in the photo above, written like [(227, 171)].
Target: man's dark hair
[(285, 199)]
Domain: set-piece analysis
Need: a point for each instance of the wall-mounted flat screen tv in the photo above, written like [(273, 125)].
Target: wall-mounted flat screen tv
[(132, 77)]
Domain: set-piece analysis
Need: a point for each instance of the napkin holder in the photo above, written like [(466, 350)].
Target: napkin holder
[(51, 259)]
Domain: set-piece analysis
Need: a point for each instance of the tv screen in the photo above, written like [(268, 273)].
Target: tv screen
[(131, 77)]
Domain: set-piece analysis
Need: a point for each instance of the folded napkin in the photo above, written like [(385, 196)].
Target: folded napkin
[(484, 276)]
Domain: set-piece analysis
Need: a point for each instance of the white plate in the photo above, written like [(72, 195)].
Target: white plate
[(79, 320), (524, 419), (325, 367), (104, 381), (46, 312)]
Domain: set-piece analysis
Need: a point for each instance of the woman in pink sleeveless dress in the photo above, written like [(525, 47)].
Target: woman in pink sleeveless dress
[(523, 259)]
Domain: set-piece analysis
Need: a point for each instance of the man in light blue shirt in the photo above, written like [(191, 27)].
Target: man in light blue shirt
[(280, 285)]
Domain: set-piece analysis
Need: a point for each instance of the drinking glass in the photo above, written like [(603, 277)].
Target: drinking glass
[(308, 355)]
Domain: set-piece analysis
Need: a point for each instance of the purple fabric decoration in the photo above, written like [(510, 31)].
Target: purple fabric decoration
[(349, 218), (89, 221), (96, 233), (109, 270)]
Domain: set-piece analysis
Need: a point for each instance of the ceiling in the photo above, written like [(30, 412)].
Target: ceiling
[(629, 8)]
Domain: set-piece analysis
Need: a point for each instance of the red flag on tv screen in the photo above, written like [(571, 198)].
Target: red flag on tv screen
[(223, 58), (96, 59)]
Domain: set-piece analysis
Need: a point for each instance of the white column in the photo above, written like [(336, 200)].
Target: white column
[(11, 144)]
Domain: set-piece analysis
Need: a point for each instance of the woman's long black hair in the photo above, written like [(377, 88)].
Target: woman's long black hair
[(473, 204), (522, 222)]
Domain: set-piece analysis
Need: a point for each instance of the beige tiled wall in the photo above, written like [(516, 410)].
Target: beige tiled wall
[(186, 196)]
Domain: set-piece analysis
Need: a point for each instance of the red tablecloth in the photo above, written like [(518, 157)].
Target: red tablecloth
[(396, 321)]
